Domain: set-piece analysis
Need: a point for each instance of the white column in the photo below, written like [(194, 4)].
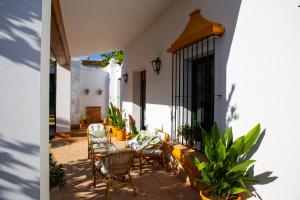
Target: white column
[(24, 94), (63, 99)]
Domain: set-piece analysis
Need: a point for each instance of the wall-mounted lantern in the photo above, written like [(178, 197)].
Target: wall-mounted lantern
[(99, 91), (125, 77), (86, 91), (156, 65)]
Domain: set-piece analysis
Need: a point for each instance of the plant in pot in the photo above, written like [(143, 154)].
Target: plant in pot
[(121, 124), (185, 131), (197, 136), (226, 171), (83, 121), (133, 130), (112, 116)]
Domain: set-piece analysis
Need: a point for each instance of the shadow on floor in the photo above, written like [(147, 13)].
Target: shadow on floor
[(155, 183)]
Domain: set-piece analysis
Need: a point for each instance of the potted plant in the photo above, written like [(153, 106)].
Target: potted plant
[(112, 116), (226, 170), (197, 136), (133, 130), (83, 121), (186, 132), (121, 124)]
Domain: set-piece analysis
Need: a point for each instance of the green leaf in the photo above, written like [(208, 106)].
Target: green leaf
[(221, 150), (242, 166), (238, 190), (205, 178), (251, 137), (200, 165), (215, 133), (207, 146), (228, 138), (237, 147)]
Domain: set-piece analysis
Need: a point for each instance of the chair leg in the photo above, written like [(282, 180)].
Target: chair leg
[(94, 172), (130, 181), (107, 188), (141, 163)]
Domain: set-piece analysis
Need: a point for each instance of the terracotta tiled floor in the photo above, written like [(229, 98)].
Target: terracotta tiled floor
[(155, 183)]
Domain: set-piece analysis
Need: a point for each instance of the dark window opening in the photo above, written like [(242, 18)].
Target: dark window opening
[(52, 99), (202, 92), (143, 99)]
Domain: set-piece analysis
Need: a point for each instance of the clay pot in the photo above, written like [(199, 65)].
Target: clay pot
[(203, 197), (114, 131), (121, 134)]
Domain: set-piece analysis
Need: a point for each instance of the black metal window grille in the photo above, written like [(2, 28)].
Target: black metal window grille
[(193, 88)]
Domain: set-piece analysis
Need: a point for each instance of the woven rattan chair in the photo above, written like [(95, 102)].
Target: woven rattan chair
[(150, 152), (96, 134), (116, 165)]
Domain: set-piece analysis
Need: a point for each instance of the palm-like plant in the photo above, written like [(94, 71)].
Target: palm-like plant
[(112, 114), (226, 170)]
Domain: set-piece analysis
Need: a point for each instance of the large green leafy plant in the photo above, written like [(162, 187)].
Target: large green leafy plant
[(226, 170)]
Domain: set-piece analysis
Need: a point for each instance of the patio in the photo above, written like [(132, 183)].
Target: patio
[(155, 183)]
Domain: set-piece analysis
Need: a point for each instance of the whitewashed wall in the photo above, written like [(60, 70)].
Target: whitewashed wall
[(259, 54), (63, 99), (24, 99), (93, 79), (264, 65)]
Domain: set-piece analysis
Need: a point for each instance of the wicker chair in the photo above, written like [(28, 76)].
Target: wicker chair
[(150, 152), (115, 166), (96, 134)]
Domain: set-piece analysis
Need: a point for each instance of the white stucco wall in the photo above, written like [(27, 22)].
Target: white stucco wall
[(264, 65), (93, 79), (24, 99), (63, 99), (259, 55)]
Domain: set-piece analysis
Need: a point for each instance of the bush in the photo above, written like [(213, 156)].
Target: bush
[(57, 174)]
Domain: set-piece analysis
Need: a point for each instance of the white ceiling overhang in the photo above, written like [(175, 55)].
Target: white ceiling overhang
[(106, 25)]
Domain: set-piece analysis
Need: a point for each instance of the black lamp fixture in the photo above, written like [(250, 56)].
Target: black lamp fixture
[(156, 65), (125, 77)]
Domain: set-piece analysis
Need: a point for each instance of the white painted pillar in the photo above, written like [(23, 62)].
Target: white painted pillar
[(24, 99), (63, 99)]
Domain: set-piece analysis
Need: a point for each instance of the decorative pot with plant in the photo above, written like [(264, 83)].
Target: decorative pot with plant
[(186, 132), (133, 130), (112, 116), (121, 124), (83, 119), (197, 136), (226, 170)]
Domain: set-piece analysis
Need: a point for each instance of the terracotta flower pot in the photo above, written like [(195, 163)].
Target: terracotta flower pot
[(121, 134), (114, 131), (203, 197)]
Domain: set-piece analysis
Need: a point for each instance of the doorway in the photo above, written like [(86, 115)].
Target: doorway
[(143, 99)]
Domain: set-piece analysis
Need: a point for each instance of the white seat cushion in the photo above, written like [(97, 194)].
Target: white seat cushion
[(98, 140)]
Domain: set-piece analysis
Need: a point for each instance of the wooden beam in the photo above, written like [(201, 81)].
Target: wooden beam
[(59, 46)]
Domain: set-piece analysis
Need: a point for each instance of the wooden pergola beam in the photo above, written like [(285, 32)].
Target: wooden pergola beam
[(58, 45)]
